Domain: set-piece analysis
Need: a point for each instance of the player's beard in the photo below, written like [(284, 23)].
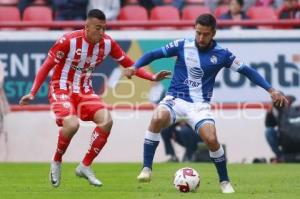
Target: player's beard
[(204, 48)]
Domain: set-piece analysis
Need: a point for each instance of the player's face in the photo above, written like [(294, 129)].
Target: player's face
[(204, 35), (95, 29)]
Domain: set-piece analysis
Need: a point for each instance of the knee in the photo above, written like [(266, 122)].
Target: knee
[(109, 124), (71, 124), (159, 121), (106, 125), (212, 141)]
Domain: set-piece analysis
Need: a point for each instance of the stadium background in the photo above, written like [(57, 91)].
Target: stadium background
[(27, 144), (239, 112), (239, 107)]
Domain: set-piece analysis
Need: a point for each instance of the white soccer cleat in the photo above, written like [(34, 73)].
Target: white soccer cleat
[(87, 173), (226, 187), (145, 175), (55, 173)]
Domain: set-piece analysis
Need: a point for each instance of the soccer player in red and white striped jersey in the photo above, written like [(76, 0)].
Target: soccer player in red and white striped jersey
[(73, 59)]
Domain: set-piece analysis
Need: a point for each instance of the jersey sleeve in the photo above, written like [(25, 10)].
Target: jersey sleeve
[(119, 55), (235, 64), (42, 74), (172, 48), (232, 62), (60, 49), (56, 54)]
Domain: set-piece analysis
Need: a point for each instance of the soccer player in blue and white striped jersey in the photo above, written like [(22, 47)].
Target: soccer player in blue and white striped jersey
[(198, 62)]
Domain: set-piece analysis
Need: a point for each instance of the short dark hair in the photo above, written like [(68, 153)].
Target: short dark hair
[(241, 2), (96, 13), (207, 20)]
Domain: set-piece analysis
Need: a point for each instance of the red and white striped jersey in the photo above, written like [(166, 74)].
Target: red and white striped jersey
[(76, 59)]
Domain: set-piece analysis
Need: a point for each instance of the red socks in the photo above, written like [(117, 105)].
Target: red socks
[(62, 146), (98, 140)]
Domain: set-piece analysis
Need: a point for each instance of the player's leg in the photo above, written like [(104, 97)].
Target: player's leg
[(64, 111), (207, 131), (102, 118), (70, 126), (160, 120)]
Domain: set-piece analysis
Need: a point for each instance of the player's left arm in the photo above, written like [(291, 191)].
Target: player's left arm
[(278, 97)]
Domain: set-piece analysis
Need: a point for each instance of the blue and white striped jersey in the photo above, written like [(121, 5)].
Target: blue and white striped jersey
[(195, 70)]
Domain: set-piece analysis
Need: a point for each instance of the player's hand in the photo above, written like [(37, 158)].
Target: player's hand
[(278, 98), (164, 74), (26, 99), (129, 72)]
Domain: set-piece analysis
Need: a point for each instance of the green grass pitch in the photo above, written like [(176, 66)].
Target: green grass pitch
[(30, 180)]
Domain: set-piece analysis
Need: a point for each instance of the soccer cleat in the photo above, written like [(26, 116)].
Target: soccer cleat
[(145, 175), (226, 187), (55, 173), (87, 173)]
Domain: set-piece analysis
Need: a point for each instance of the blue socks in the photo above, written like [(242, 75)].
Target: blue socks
[(218, 157), (150, 144)]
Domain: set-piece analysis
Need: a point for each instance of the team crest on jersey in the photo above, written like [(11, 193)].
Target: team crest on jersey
[(213, 59), (60, 54)]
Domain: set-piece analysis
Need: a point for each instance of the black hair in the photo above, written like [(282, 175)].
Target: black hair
[(241, 2), (96, 13), (207, 20)]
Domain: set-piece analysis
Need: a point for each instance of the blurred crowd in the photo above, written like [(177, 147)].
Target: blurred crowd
[(231, 9)]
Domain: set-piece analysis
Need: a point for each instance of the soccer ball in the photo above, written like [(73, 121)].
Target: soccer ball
[(186, 180)]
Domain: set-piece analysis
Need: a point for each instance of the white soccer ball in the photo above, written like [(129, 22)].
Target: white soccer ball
[(186, 179)]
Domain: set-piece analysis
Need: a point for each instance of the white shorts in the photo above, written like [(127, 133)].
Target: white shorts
[(195, 114)]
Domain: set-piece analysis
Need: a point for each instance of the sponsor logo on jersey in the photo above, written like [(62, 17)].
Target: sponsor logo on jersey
[(192, 83), (196, 73), (192, 59), (66, 104), (63, 97), (195, 76), (78, 51), (78, 68)]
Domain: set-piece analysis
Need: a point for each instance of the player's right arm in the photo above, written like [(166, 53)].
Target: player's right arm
[(56, 55), (170, 50), (48, 64)]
